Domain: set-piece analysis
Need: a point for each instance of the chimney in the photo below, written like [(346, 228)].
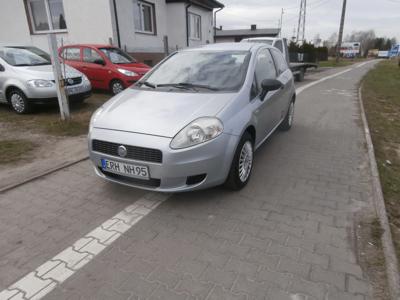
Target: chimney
[(220, 27), (253, 27)]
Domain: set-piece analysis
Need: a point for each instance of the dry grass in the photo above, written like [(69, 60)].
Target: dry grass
[(331, 62), (381, 96), (14, 150), (46, 118)]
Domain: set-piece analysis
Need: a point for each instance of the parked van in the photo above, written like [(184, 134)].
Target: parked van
[(26, 78)]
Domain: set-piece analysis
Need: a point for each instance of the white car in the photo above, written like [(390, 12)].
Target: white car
[(26, 78)]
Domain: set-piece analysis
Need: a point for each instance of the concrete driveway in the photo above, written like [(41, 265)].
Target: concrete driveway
[(288, 235)]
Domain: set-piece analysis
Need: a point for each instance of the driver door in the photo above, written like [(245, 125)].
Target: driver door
[(267, 112)]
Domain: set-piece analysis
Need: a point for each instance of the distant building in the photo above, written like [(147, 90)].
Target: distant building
[(236, 35), (351, 49)]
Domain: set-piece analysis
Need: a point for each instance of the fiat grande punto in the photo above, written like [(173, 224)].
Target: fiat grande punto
[(195, 120)]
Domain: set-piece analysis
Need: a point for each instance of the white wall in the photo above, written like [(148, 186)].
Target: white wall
[(88, 21), (176, 22), (141, 42), (206, 26)]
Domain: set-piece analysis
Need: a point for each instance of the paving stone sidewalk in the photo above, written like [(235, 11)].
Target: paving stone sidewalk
[(288, 235)]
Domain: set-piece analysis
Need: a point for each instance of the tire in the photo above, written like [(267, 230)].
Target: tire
[(116, 86), (288, 121), (300, 76), (18, 102), (236, 179)]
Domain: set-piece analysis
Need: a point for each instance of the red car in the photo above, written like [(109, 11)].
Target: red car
[(107, 67)]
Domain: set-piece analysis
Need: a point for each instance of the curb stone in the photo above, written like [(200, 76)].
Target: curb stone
[(44, 173), (379, 203)]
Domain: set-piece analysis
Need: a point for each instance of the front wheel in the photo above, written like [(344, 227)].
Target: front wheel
[(116, 87), (18, 101), (242, 164), (288, 121)]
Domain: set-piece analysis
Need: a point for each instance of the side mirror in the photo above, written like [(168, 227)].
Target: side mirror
[(269, 85), (99, 62), (2, 68)]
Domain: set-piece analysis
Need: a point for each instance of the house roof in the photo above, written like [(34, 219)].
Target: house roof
[(211, 4), (247, 32)]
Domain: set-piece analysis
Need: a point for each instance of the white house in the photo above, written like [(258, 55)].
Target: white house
[(145, 28)]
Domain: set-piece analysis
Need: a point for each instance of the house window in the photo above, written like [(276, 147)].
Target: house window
[(194, 26), (144, 17), (47, 16)]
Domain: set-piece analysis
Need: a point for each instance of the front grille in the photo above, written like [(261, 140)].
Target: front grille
[(133, 152), (73, 81), (152, 182)]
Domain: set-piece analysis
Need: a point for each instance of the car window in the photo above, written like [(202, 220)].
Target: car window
[(219, 70), (70, 53), (24, 56), (280, 61), (265, 67), (279, 45), (90, 55), (117, 56)]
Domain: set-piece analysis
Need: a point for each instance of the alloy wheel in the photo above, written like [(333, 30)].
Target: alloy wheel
[(291, 114), (245, 161), (117, 87), (17, 103)]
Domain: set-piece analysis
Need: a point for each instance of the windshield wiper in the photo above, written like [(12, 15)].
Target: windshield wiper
[(202, 86), (187, 85), (149, 84), (22, 65), (42, 64)]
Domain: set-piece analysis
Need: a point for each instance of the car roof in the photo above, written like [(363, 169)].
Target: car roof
[(230, 47)]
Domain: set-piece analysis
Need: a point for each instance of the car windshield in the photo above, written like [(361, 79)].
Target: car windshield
[(193, 70), (24, 56), (117, 56)]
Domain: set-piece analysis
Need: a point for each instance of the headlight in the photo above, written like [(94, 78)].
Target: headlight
[(197, 132), (85, 79), (94, 117), (127, 73), (40, 83)]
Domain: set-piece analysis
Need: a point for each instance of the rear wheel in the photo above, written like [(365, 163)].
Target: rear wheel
[(288, 121), (18, 101), (116, 86), (242, 164), (300, 75)]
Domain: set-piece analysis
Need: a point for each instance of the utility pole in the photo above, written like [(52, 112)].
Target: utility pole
[(280, 24), (58, 77), (301, 27), (339, 44)]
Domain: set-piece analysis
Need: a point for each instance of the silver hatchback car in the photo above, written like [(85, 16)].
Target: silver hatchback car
[(26, 77), (195, 120)]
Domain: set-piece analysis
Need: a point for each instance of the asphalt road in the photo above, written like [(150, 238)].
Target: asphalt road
[(287, 235)]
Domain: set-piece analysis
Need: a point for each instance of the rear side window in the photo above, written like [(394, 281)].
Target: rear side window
[(90, 55), (280, 61), (279, 45), (265, 67), (71, 53)]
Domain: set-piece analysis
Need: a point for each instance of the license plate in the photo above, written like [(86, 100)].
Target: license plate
[(116, 167), (72, 90)]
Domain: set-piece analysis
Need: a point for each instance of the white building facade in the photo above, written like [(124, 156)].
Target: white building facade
[(145, 28)]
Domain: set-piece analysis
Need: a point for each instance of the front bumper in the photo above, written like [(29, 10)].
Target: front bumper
[(48, 94), (171, 175)]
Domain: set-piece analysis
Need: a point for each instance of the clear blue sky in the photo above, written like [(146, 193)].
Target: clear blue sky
[(323, 16)]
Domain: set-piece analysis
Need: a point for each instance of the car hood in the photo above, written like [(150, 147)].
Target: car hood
[(158, 113), (46, 72)]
